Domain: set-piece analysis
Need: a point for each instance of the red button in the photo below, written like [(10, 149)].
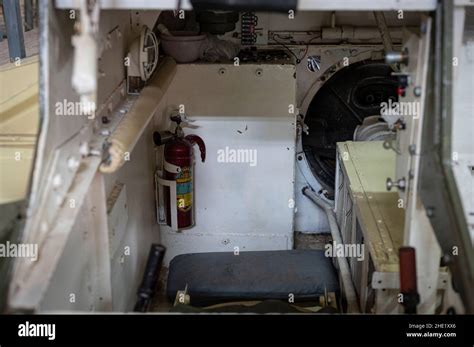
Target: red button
[(401, 91)]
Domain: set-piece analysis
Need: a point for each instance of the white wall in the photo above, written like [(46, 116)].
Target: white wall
[(238, 205)]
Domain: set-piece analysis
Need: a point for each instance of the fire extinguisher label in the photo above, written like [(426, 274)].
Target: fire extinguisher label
[(184, 189)]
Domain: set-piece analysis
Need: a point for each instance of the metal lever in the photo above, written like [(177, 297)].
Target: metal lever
[(400, 184)]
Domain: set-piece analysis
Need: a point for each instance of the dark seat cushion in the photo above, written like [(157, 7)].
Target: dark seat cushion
[(223, 276)]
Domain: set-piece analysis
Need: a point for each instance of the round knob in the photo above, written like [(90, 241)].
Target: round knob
[(389, 184), (401, 184)]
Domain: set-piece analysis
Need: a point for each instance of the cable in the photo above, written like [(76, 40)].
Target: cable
[(298, 59), (307, 46)]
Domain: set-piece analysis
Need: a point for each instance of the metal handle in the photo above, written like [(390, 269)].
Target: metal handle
[(202, 146), (400, 184)]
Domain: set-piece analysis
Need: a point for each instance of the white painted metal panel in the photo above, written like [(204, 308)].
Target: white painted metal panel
[(117, 216), (81, 280), (239, 205), (463, 116), (129, 253), (418, 231)]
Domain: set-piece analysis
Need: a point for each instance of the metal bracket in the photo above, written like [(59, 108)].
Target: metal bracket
[(171, 167), (391, 280), (14, 27), (159, 196)]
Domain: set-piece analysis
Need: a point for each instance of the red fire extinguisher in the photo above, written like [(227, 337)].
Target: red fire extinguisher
[(178, 174)]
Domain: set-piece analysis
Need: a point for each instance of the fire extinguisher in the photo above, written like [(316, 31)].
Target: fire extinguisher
[(178, 174)]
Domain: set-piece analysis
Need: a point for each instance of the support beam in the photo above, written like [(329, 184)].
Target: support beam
[(12, 17)]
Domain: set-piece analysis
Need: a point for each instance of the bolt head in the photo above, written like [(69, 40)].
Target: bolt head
[(430, 212), (417, 91), (446, 259), (72, 163), (84, 149), (57, 180)]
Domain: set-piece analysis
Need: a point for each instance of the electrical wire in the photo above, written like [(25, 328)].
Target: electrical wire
[(298, 59), (307, 46)]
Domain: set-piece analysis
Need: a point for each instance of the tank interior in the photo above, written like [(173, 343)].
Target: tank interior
[(200, 160)]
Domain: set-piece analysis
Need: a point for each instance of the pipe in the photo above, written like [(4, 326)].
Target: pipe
[(366, 34), (351, 296), (129, 130), (384, 31), (147, 289), (385, 35), (408, 285)]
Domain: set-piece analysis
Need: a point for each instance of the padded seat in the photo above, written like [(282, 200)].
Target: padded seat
[(223, 276)]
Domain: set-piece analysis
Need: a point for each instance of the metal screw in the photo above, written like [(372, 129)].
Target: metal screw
[(430, 212), (108, 42), (445, 259), (84, 149), (72, 163), (57, 181), (417, 91)]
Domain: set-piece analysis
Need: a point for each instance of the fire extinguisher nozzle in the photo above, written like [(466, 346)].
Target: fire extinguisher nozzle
[(163, 137), (194, 139), (157, 138)]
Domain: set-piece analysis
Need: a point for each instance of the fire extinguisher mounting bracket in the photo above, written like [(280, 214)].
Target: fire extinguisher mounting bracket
[(161, 216), (171, 167), (176, 209)]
